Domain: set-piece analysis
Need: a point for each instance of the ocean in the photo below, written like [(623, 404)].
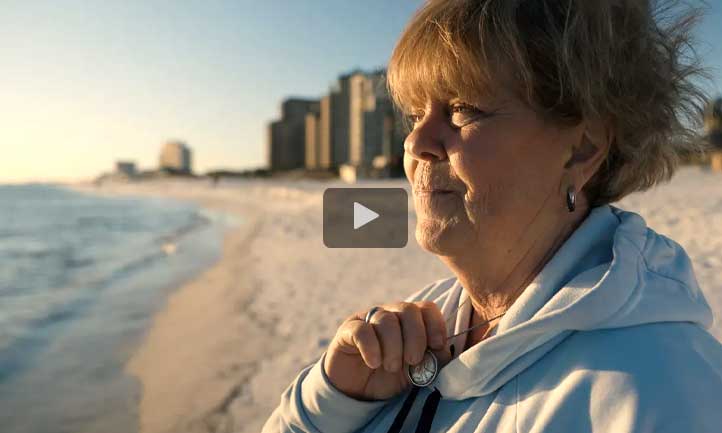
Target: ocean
[(80, 279)]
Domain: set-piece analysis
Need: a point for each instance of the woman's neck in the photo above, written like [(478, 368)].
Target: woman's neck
[(494, 288), (479, 334)]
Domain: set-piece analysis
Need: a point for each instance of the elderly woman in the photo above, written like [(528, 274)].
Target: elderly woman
[(566, 314)]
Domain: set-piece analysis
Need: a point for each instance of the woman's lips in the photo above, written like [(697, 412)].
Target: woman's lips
[(436, 203), (433, 191)]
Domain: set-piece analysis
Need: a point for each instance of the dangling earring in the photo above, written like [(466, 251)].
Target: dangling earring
[(571, 198)]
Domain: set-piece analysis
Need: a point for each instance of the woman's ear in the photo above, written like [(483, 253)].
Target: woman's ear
[(590, 153)]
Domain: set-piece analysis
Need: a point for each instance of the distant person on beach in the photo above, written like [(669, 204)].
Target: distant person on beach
[(566, 314)]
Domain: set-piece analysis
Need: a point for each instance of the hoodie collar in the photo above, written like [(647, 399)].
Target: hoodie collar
[(611, 272)]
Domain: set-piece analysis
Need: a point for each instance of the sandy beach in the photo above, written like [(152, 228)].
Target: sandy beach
[(228, 342)]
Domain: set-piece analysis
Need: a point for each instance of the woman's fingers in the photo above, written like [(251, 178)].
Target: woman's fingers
[(413, 332), (357, 335), (397, 334), (367, 360), (422, 325), (434, 323), (388, 330)]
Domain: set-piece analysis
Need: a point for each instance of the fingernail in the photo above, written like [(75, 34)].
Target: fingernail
[(375, 363)]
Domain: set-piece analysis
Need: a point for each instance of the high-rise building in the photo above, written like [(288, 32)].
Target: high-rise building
[(176, 157), (313, 140), (354, 125), (340, 112), (325, 133), (275, 137), (372, 120), (287, 136), (358, 89)]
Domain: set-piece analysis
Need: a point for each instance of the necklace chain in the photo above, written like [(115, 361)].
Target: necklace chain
[(476, 326), (453, 315)]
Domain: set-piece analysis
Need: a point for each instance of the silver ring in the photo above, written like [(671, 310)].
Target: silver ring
[(371, 312)]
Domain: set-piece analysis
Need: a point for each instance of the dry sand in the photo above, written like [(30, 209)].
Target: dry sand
[(228, 343)]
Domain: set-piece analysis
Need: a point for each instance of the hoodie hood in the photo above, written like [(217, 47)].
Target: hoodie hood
[(612, 272)]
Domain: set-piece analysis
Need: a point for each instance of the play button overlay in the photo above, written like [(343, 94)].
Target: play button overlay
[(362, 215), (365, 217)]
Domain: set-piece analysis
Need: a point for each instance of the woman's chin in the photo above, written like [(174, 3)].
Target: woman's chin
[(440, 237)]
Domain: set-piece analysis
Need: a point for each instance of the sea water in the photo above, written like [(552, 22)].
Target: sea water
[(80, 278)]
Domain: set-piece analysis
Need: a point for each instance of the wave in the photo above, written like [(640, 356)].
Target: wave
[(46, 285)]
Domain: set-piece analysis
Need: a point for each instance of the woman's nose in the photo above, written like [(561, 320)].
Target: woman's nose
[(426, 141)]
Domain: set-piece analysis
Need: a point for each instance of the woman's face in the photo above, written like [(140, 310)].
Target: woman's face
[(485, 174)]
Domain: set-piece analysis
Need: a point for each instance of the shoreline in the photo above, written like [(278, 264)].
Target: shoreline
[(183, 389), (218, 355), (182, 376), (110, 264)]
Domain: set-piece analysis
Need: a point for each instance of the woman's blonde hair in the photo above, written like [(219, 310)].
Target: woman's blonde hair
[(630, 62)]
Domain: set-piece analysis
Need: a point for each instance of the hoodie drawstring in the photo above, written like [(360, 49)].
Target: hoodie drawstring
[(404, 412), (427, 412), (429, 405)]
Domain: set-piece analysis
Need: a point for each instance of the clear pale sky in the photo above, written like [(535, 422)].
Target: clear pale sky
[(85, 83)]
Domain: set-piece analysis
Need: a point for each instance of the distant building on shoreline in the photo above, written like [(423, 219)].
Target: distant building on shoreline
[(376, 133), (126, 168), (353, 130), (176, 158), (287, 136), (312, 139)]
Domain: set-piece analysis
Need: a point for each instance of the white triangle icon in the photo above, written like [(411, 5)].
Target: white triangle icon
[(362, 215)]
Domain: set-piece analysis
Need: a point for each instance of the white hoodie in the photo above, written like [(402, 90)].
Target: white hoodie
[(609, 337)]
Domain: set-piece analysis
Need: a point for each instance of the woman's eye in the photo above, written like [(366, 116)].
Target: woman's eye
[(463, 114), (460, 114), (415, 118)]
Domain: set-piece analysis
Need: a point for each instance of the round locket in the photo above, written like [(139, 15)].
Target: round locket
[(424, 373)]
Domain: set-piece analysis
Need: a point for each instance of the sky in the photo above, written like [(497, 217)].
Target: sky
[(86, 83)]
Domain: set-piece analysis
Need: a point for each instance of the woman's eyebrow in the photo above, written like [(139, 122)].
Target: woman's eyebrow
[(487, 99)]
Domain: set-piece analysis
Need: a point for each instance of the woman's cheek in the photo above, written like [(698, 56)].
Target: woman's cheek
[(490, 199), (465, 168)]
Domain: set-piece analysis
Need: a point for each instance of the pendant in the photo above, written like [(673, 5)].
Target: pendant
[(424, 373)]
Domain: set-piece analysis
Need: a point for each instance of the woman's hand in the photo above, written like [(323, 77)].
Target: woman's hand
[(368, 361)]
